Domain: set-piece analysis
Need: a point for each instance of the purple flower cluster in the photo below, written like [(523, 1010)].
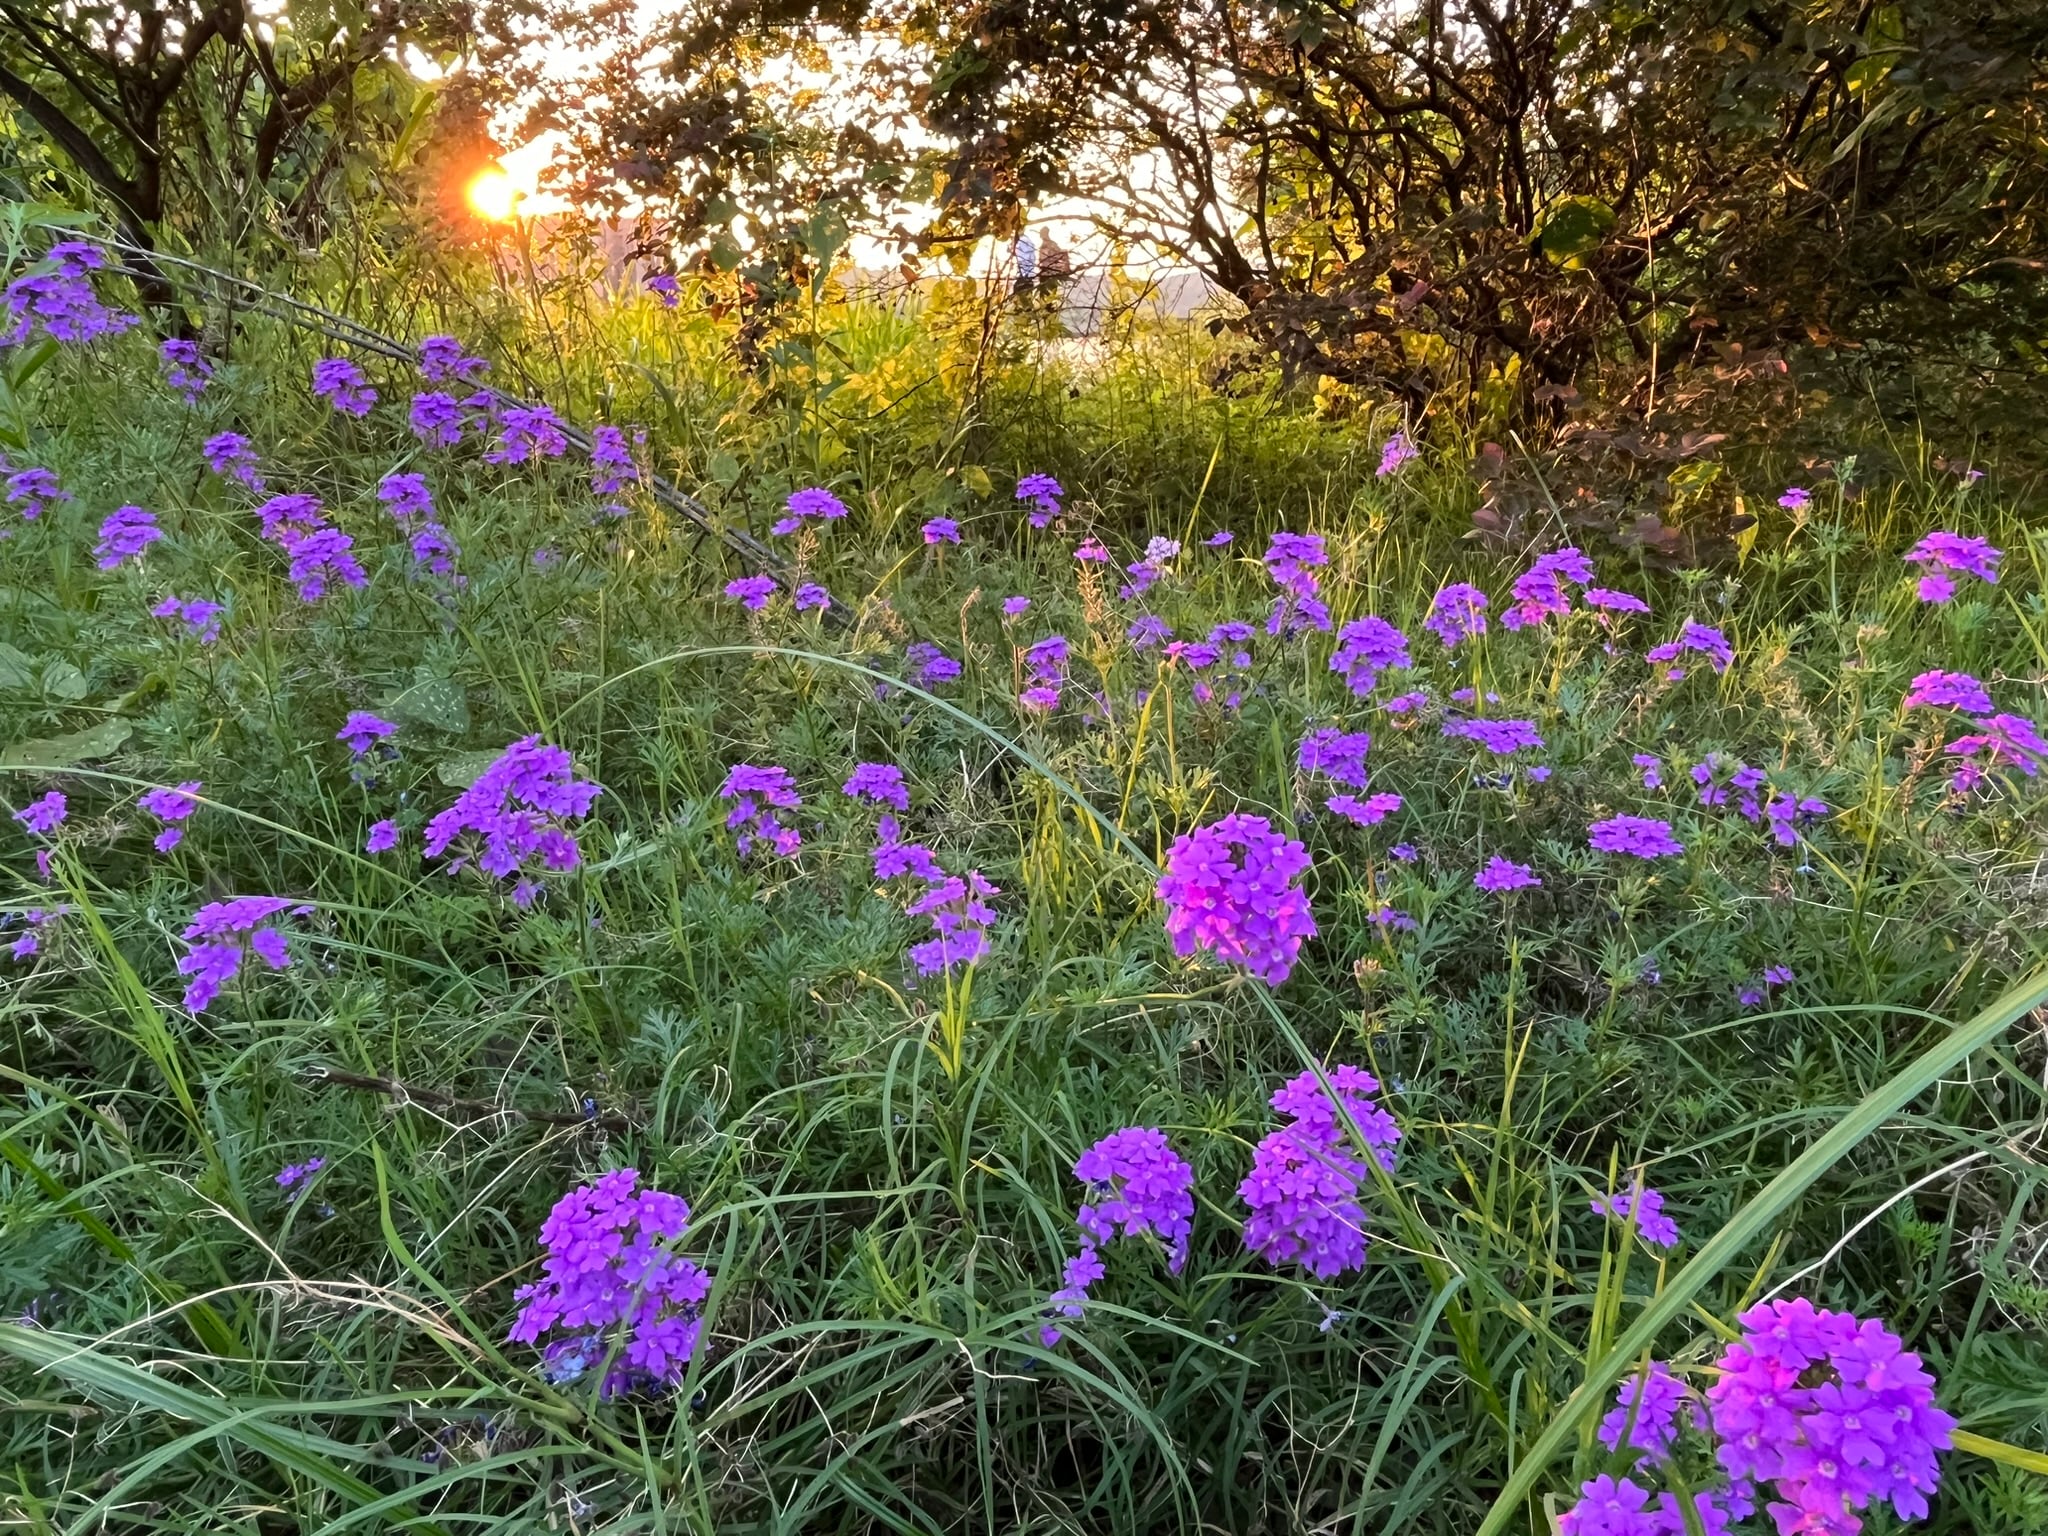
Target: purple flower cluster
[(1703, 638), (1046, 662), (812, 502), (341, 384), (172, 807), (1649, 1411), (1647, 1207), (126, 533), (1642, 837), (1369, 812), (319, 551), (1398, 450), (880, 782), (614, 1288), (223, 933), (956, 905), (1365, 648), (436, 418), (405, 496), (930, 665), (1500, 737), (756, 794), (362, 730), (1160, 553), (1336, 755), (1941, 553), (1501, 875), (62, 304), (664, 287), (44, 815), (1949, 690), (751, 592), (443, 360), (1832, 1411), (1611, 601), (1456, 613), (383, 837), (810, 595), (1245, 908), (37, 923), (528, 434), (1775, 976), (1302, 1190), (1291, 560), (1542, 591), (200, 617), (942, 530), (513, 815), (1143, 632), (611, 461), (34, 491), (1044, 493), (2002, 741), (1092, 551), (230, 455), (186, 369), (1137, 1186), (293, 1176)]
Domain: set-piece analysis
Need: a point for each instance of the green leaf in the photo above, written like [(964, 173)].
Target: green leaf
[(1573, 228), (17, 668), (464, 768), (1750, 1223), (440, 702), (102, 740), (61, 680)]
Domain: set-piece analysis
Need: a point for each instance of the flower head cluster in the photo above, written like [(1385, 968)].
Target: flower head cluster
[(341, 384), (880, 782), (1611, 601), (942, 530), (614, 1288), (751, 592), (230, 455), (405, 496), (1137, 1186), (1046, 663), (326, 554), (36, 924), (930, 665), (1500, 737), (1611, 1506), (1160, 554), (757, 793), (1649, 1410), (956, 905), (1775, 976), (1647, 1207), (34, 491), (513, 815), (433, 551), (172, 807), (443, 360), (1542, 591), (44, 815), (1456, 613), (664, 287), (1704, 638), (812, 502), (200, 617), (528, 434), (436, 418), (1942, 556), (293, 1177), (1398, 450), (1832, 1411), (1335, 754), (1302, 1191), (1949, 690), (362, 730), (126, 533), (1795, 498), (1230, 888), (810, 595), (1501, 875), (186, 369), (383, 837), (611, 461), (62, 304), (2001, 741), (1044, 493), (1642, 837), (1369, 812), (1146, 631), (1092, 551), (1365, 648), (1292, 559), (223, 933)]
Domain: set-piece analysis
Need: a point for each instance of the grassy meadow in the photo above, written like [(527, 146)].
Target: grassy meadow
[(879, 1163)]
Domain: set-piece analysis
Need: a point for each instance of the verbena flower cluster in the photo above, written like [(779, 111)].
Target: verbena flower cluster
[(1302, 1193), (186, 369), (1365, 648), (126, 533), (172, 807), (200, 617), (1544, 590), (1230, 888), (615, 1290), (511, 820), (1456, 613), (1137, 1186), (1044, 494), (223, 933), (756, 794), (1646, 1207), (60, 304), (1942, 556), (1702, 638), (957, 906), (341, 384)]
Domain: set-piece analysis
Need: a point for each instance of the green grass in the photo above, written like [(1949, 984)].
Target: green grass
[(885, 1218)]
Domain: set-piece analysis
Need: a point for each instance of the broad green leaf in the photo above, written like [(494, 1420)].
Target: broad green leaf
[(464, 768), (61, 680), (1573, 228), (17, 668), (102, 740), (439, 702)]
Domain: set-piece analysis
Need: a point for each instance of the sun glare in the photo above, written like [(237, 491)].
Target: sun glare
[(493, 194)]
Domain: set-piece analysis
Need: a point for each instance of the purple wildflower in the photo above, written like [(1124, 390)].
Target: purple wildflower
[(1456, 613), (751, 592), (1369, 812), (1500, 737), (362, 731), (756, 794), (1147, 631), (810, 595), (222, 933), (317, 557), (1647, 1207), (1795, 498), (442, 360), (527, 434), (942, 530), (436, 418), (1652, 766), (38, 923), (292, 1176), (513, 815), (62, 305), (171, 806), (1406, 703), (434, 550), (879, 782), (663, 286), (1949, 690), (1246, 908), (1648, 1413), (1941, 552), (186, 370), (2005, 741), (1081, 1272), (230, 456), (341, 384), (1044, 493), (34, 491), (613, 1284), (931, 665), (960, 919), (1302, 1191), (611, 461), (200, 618), (1335, 754), (383, 837), (1291, 559), (1704, 638), (405, 496), (816, 501), (43, 816), (1407, 853), (1365, 648), (286, 519), (1612, 1507), (1398, 450), (1540, 592), (1613, 601), (1015, 608), (1220, 539), (126, 533), (1504, 875), (1091, 552), (1137, 1186), (1642, 837)]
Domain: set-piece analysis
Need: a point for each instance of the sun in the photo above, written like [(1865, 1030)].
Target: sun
[(493, 194)]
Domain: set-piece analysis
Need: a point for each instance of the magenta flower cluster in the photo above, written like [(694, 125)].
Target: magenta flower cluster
[(1137, 1186), (757, 793), (1544, 590), (1044, 493), (1942, 556), (341, 384), (230, 455), (1701, 638), (186, 369), (1456, 613), (1230, 888), (1302, 1193), (1646, 1206), (1500, 737), (223, 933), (1641, 837), (1365, 648), (512, 818), (957, 906), (614, 1289), (172, 807), (200, 617), (126, 533)]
